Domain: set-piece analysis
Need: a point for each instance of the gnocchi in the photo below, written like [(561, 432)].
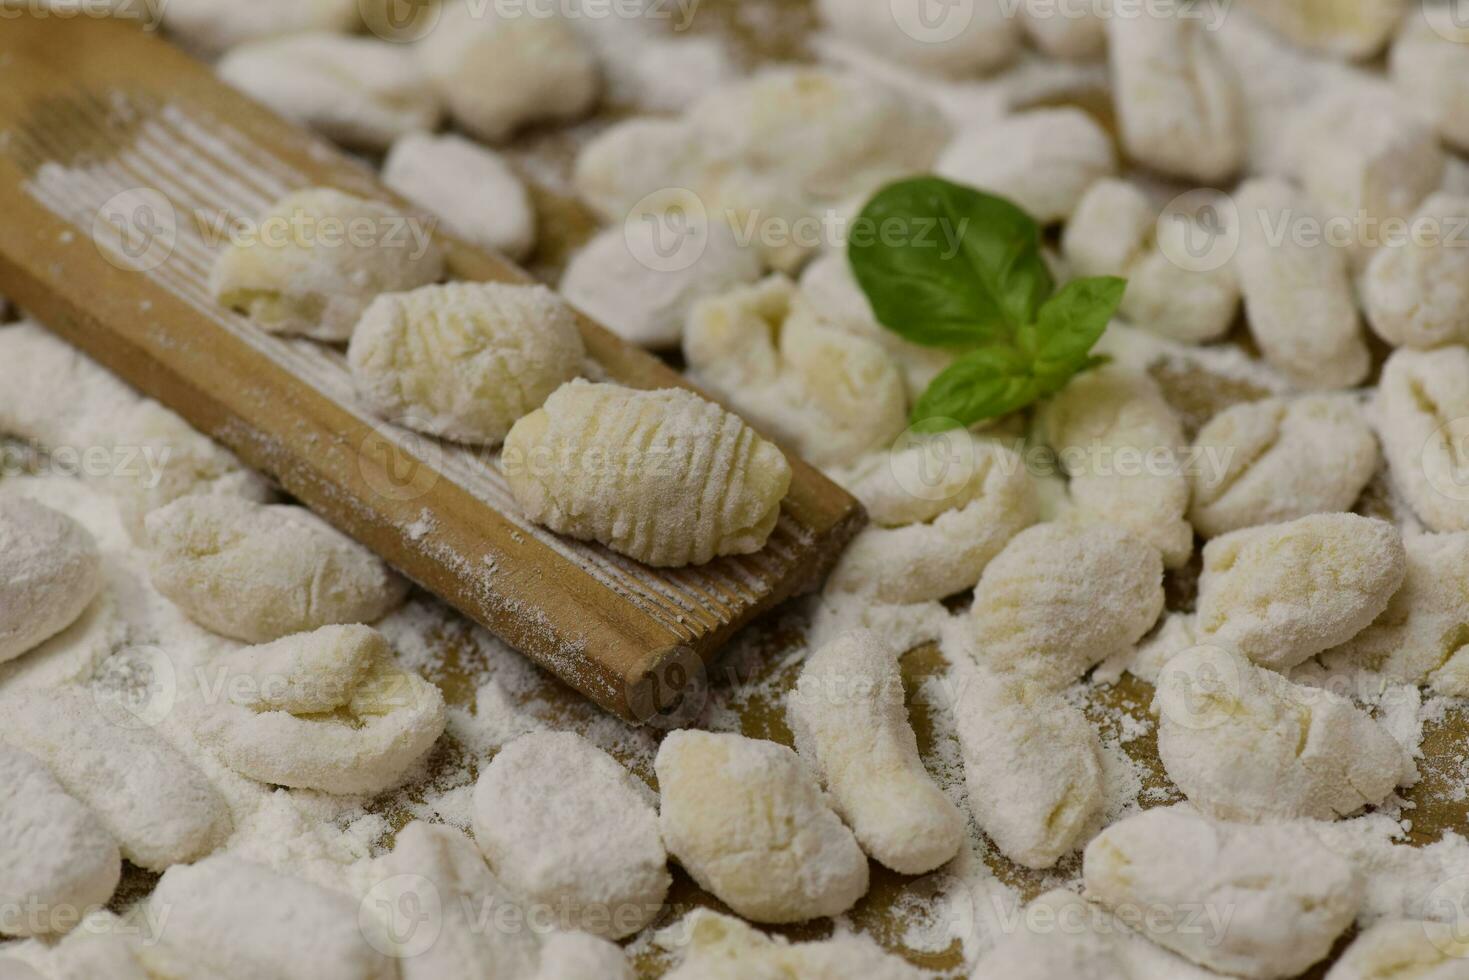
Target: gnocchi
[(258, 573), (470, 189), (609, 876), (328, 711), (1282, 593), (1404, 948), (55, 855), (636, 158), (1061, 598), (944, 535), (120, 773), (647, 302), (1430, 67), (1290, 895), (1043, 160), (1416, 291), (214, 26), (721, 947), (1066, 32), (977, 38), (661, 476), (748, 821), (1280, 459), (464, 360), (1032, 765), (1344, 28), (1246, 745), (1420, 637), (851, 726), (1178, 102), (1116, 231), (1118, 440), (1422, 402), (832, 394), (50, 570), (320, 258), (359, 92), (1298, 294), (501, 70)]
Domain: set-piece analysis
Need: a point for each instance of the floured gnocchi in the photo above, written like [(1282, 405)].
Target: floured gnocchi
[(1430, 67), (1282, 593), (468, 187), (661, 476), (330, 711), (1061, 598), (981, 38), (1118, 441), (721, 947), (318, 259), (1290, 896), (831, 394), (1345, 28), (214, 26), (748, 821), (1032, 765), (1076, 32), (1246, 745), (464, 360), (258, 573), (1404, 948), (50, 570), (1421, 407), (1416, 291), (1278, 459), (852, 727)]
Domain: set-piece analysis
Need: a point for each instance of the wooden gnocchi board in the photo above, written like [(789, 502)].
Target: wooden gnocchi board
[(119, 158)]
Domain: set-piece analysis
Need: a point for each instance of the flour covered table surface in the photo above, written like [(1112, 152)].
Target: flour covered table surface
[(1257, 643)]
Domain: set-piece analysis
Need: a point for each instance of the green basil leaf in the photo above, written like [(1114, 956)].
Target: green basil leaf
[(1070, 324), (946, 265), (983, 384)]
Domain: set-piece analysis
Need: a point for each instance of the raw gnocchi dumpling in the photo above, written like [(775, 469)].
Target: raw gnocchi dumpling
[(621, 280), (1279, 459), (1121, 440), (1430, 66), (329, 711), (748, 821), (499, 71), (214, 26), (464, 360), (1246, 745), (1033, 767), (359, 92), (941, 509), (1396, 949), (851, 726), (1043, 160), (50, 570), (831, 394), (258, 573), (320, 258), (635, 158), (1282, 593), (1078, 31), (663, 476), (56, 858), (1178, 101), (1062, 598), (1116, 231), (963, 40), (1422, 404), (468, 187), (1289, 895), (1345, 28), (234, 918), (721, 947), (1298, 293), (609, 876), (121, 774), (1421, 636), (1416, 290)]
